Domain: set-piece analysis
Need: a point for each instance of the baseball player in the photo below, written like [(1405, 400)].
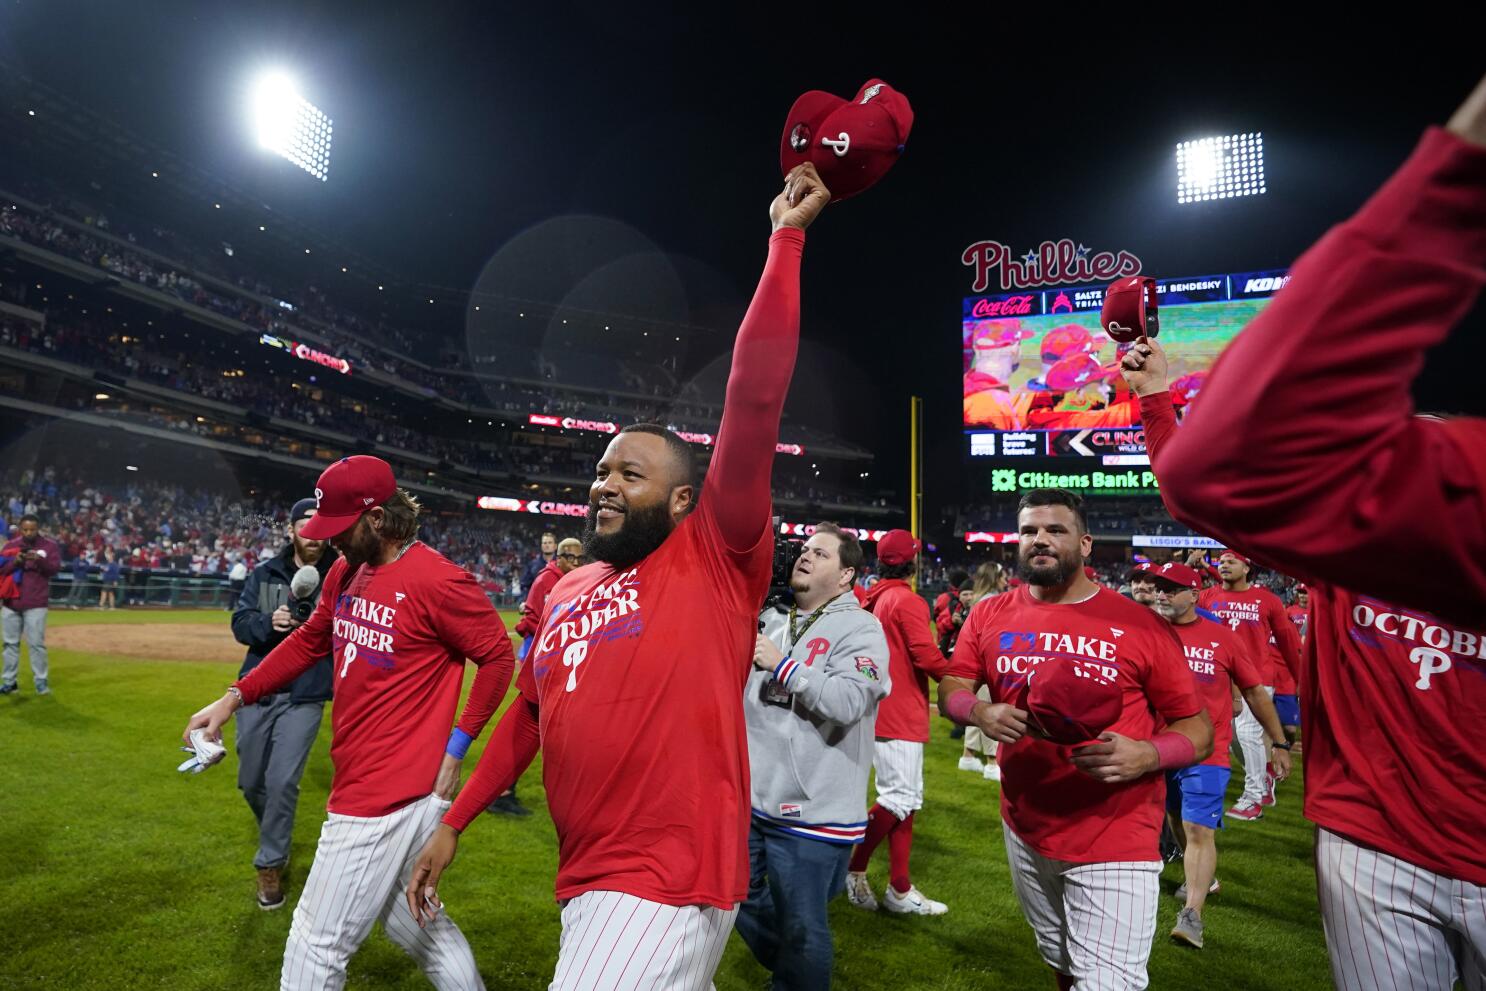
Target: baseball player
[(398, 620), (654, 643), (1257, 616), (902, 730), (1344, 487), (1220, 670), (1081, 823)]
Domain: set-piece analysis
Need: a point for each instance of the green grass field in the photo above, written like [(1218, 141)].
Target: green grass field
[(120, 873)]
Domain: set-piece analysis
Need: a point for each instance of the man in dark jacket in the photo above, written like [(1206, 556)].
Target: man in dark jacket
[(275, 735), (29, 561)]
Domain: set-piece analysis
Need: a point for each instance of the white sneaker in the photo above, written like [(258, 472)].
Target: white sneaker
[(859, 892), (913, 903), (969, 764), (992, 771)]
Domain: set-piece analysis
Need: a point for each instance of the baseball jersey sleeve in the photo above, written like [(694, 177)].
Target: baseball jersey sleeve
[(915, 623), (297, 654), (511, 749), (471, 628), (1167, 680), (1241, 666), (1286, 638), (853, 680), (1332, 471), (738, 495), (969, 657)]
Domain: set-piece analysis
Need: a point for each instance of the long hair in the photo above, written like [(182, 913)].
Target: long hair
[(400, 522), (990, 579)]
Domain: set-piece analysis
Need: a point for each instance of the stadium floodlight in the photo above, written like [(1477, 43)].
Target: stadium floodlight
[(1220, 168), (289, 125)]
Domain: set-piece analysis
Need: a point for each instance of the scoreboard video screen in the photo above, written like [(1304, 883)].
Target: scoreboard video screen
[(1041, 378)]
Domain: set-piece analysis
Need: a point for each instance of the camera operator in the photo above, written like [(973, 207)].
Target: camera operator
[(811, 708), (275, 735)]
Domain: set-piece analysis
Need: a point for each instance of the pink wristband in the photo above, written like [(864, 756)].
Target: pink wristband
[(960, 707), (1173, 750)]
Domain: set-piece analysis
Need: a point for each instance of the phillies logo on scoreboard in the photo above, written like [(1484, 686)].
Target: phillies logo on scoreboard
[(1051, 263)]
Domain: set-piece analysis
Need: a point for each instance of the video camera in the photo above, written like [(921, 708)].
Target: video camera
[(786, 552)]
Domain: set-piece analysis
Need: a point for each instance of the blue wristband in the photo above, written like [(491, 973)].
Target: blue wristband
[(459, 744)]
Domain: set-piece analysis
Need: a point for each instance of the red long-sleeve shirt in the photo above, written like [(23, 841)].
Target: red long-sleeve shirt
[(913, 658), (1332, 479), (661, 810), (398, 636), (1305, 451)]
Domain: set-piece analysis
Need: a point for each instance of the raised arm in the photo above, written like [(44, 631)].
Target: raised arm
[(763, 363), (1304, 449)]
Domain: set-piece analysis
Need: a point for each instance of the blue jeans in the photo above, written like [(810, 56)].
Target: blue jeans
[(791, 880)]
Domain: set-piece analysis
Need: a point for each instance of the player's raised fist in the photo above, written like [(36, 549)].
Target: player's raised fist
[(1144, 367), (803, 198)]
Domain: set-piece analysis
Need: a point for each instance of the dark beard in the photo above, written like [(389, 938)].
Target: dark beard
[(640, 533), (307, 551), (1058, 574), (361, 549)]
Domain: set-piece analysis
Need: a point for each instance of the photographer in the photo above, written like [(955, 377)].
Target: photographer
[(29, 561), (821, 668), (274, 736)]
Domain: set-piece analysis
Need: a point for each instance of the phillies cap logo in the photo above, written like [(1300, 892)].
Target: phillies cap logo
[(318, 496)]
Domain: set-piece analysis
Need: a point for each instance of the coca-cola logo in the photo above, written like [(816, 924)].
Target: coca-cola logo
[(1051, 263), (1012, 306)]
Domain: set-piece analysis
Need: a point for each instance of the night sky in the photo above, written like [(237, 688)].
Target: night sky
[(460, 126)]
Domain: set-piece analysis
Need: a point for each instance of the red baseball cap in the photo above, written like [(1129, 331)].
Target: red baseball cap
[(1130, 309), (1177, 574), (1075, 372), (1230, 552), (897, 547), (1072, 701), (1060, 342), (345, 490), (852, 143)]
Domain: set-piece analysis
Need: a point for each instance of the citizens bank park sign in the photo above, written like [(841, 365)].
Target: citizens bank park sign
[(605, 427), (503, 504)]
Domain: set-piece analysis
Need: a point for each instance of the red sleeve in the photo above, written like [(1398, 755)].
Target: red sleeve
[(471, 627), (1241, 666), (967, 662), (1303, 449), (512, 746), (1168, 681), (301, 650), (531, 609), (944, 621), (913, 617), (737, 488), (1286, 638)]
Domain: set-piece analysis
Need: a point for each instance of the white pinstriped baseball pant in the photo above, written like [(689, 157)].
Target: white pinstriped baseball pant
[(1093, 922), (1253, 747), (900, 776), (612, 941), (1393, 925), (361, 870)]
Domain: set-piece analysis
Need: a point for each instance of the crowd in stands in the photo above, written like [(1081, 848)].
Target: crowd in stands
[(152, 527)]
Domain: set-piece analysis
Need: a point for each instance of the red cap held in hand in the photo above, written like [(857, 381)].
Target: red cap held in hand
[(1072, 701), (1130, 309), (897, 547), (853, 144), (345, 490)]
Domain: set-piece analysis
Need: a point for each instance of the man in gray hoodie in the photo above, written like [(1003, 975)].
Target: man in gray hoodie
[(821, 668)]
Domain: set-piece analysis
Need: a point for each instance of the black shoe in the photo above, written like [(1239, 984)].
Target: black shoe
[(958, 733), (508, 805), (9, 687)]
